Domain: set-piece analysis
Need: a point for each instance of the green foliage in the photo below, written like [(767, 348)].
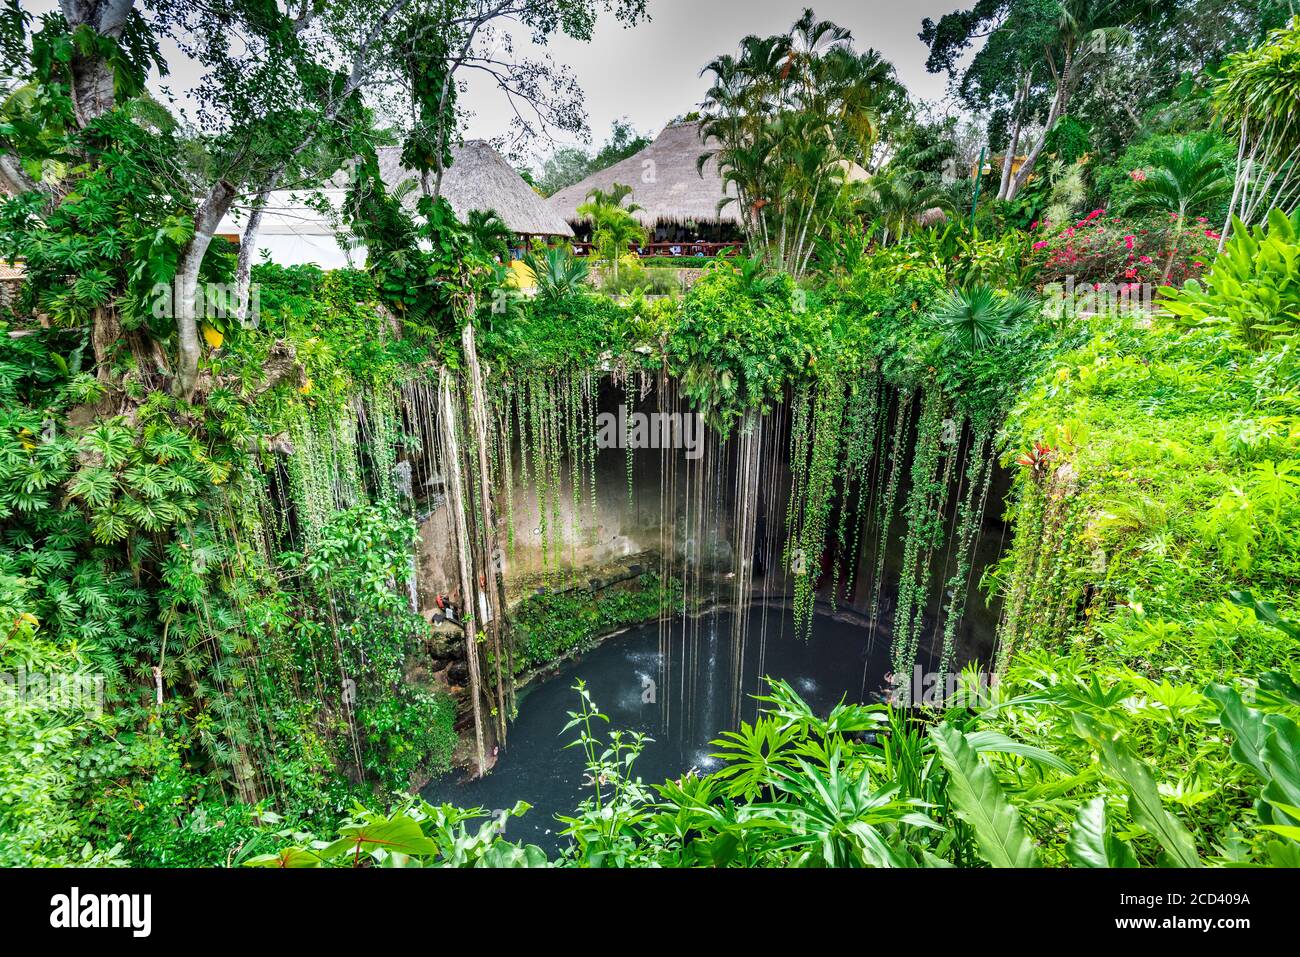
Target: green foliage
[(740, 338), (558, 273), (978, 317), (978, 799), (790, 115), (613, 227), (868, 786), (1254, 284), (1068, 140), (1184, 178), (1118, 184), (554, 624)]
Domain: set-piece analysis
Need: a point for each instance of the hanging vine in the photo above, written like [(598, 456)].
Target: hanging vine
[(922, 526)]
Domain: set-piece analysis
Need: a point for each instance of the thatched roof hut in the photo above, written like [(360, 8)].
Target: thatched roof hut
[(664, 181), (479, 178)]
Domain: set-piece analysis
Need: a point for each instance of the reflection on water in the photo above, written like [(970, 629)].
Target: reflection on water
[(683, 707)]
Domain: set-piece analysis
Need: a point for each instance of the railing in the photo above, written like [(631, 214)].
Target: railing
[(669, 250)]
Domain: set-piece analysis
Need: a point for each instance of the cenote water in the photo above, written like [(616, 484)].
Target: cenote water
[(625, 676)]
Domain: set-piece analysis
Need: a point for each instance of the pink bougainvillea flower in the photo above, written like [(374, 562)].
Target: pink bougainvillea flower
[(1128, 242), (1094, 214), (1146, 259), (1138, 175), (1040, 244), (1211, 234)]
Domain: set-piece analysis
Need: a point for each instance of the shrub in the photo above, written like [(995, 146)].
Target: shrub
[(551, 625), (1255, 283), (407, 732), (1102, 249)]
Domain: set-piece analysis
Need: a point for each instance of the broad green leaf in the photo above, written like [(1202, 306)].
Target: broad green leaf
[(1246, 725), (979, 800), (1091, 842), (1282, 758), (1144, 804), (1281, 685), (401, 835), (986, 742), (290, 857)]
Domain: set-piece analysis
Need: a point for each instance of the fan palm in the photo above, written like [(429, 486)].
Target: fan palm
[(558, 273), (979, 316)]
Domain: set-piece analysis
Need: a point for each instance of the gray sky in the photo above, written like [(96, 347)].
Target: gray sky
[(650, 73)]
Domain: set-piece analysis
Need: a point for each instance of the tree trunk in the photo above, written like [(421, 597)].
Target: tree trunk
[(105, 337), (489, 579), (247, 249), (452, 467), (210, 213), (1058, 107), (13, 177), (92, 76), (1008, 159)]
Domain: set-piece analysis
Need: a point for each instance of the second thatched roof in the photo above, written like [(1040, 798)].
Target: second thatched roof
[(664, 181), (479, 178)]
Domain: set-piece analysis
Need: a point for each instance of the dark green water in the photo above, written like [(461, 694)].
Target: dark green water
[(626, 670)]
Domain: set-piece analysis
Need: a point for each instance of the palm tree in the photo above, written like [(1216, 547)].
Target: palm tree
[(613, 227), (790, 115), (490, 231), (896, 199), (1183, 178)]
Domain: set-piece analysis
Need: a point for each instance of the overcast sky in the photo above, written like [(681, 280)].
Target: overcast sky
[(650, 73)]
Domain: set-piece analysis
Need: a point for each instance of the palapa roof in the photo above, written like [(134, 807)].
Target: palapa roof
[(664, 181), (479, 178)]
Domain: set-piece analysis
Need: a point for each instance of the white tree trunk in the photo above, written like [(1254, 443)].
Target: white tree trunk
[(215, 205), (248, 248), (1013, 146), (1058, 107)]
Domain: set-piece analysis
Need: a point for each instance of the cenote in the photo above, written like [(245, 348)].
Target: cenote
[(679, 683)]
